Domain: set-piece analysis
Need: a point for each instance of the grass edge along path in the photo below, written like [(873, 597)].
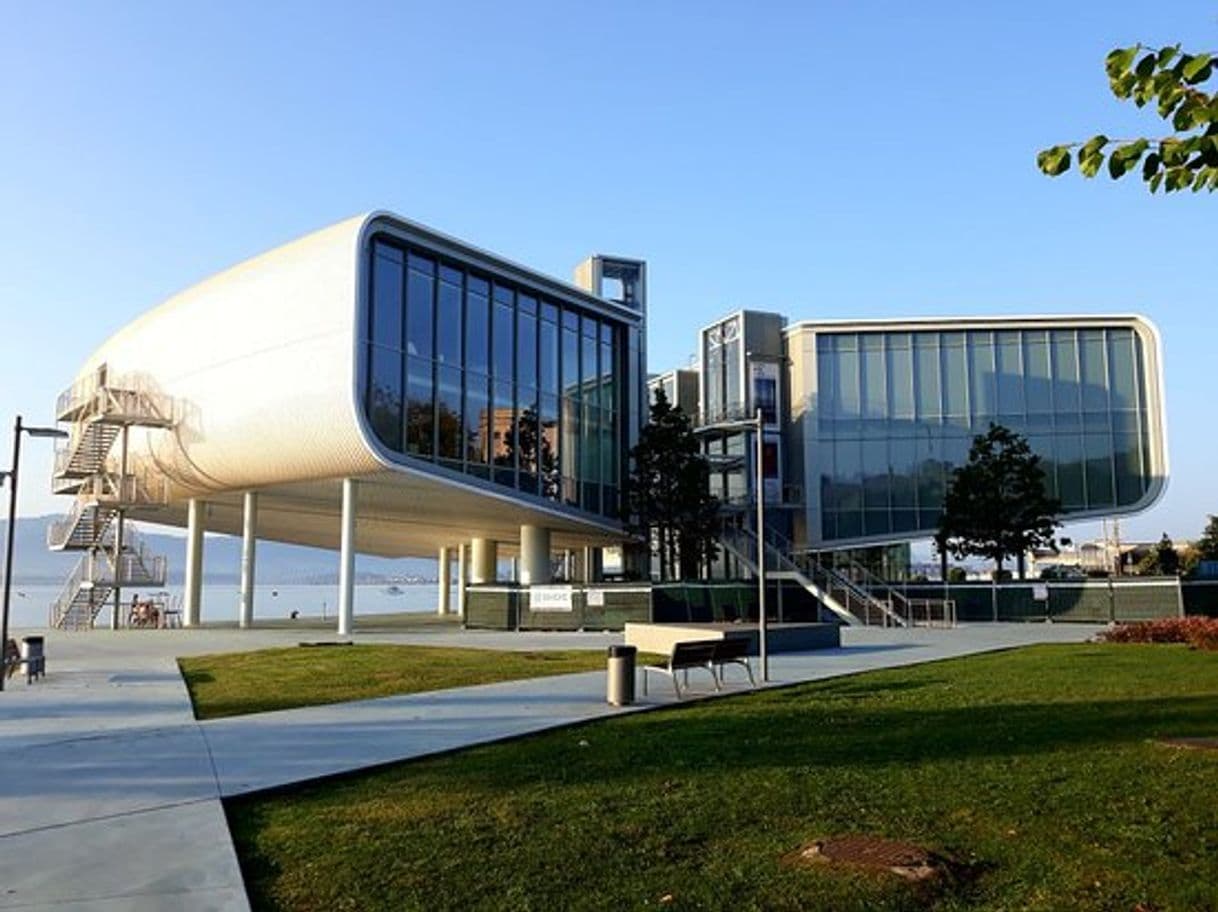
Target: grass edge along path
[(264, 680), (1039, 770)]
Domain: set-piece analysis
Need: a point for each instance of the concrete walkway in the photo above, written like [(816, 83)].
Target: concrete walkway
[(110, 790)]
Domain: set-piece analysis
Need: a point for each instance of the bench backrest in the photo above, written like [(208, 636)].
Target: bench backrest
[(731, 648), (692, 653)]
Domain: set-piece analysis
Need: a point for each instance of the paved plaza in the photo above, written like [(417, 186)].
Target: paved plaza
[(110, 790)]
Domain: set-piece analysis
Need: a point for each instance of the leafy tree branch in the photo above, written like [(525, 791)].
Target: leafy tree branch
[(1173, 82)]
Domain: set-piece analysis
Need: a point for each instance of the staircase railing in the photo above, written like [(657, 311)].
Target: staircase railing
[(742, 542), (862, 603)]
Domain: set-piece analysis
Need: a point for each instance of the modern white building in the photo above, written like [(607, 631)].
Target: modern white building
[(866, 419), (375, 387), (379, 387)]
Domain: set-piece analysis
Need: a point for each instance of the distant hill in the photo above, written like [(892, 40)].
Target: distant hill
[(34, 564)]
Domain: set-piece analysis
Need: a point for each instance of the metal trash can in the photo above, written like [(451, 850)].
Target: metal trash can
[(621, 675), (33, 654)]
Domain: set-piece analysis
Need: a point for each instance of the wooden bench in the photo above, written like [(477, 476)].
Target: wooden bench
[(710, 655)]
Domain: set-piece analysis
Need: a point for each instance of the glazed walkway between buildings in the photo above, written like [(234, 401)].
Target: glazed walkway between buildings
[(110, 789)]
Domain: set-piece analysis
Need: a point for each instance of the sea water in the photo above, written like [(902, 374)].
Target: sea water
[(30, 605)]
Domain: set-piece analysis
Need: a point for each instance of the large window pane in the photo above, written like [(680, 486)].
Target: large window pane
[(503, 445), (570, 362), (875, 385), (955, 377), (1094, 371), (1122, 371), (1010, 377), (550, 485), (384, 395), (570, 447), (448, 317), (1066, 400), (448, 413), (420, 305), (386, 317), (1130, 467), (548, 357), (926, 379), (901, 383), (983, 398), (477, 326), (1069, 448), (502, 340), (1038, 378), (526, 349), (420, 408), (1098, 450), (477, 423)]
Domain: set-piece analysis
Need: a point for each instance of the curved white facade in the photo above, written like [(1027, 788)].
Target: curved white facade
[(262, 364)]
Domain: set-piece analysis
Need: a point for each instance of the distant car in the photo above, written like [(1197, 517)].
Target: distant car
[(1062, 572)]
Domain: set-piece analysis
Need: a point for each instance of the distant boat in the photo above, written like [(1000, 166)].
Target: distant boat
[(394, 590)]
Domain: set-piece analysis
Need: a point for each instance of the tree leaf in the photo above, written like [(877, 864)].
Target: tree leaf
[(1167, 53), (1146, 66), (1119, 60), (1054, 161), (1151, 165), (1195, 67)]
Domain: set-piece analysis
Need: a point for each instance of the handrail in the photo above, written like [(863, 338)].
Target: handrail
[(784, 546), (133, 395)]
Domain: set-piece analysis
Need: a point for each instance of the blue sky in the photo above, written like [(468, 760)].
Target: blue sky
[(821, 160)]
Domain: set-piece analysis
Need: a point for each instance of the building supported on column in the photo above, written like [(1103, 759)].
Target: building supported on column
[(375, 387), (383, 388)]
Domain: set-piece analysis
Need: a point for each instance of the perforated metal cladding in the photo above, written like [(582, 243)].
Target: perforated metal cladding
[(260, 363)]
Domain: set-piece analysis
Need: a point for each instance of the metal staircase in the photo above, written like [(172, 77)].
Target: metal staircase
[(102, 409), (851, 603)]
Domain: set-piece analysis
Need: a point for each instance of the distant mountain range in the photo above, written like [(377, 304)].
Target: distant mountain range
[(34, 564)]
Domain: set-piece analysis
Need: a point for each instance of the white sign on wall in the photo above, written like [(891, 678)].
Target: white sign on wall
[(551, 598), (1040, 592), (596, 598)]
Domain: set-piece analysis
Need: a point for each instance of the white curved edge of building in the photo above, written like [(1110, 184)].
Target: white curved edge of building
[(263, 362)]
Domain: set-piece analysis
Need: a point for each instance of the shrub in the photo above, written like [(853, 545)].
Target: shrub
[(1197, 632)]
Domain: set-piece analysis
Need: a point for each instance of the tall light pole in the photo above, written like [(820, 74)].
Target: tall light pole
[(757, 425), (11, 476), (763, 653)]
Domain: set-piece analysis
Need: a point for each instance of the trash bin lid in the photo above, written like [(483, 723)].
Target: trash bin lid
[(32, 639), (622, 652)]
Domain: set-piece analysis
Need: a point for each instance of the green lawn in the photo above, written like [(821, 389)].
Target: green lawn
[(248, 682), (1037, 768)]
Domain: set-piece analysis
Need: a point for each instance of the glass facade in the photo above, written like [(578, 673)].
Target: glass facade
[(895, 412), (491, 378)]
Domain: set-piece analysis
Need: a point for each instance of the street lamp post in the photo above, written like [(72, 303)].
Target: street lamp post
[(763, 654), (11, 476)]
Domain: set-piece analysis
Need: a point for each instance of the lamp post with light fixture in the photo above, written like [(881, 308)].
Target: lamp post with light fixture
[(11, 477)]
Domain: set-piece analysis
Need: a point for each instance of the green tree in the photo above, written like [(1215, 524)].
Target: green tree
[(668, 499), (1171, 80), (1207, 544), (996, 504), (1167, 557)]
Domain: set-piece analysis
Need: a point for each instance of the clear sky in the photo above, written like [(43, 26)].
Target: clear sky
[(819, 159)]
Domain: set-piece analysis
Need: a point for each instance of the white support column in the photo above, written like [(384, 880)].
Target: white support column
[(249, 540), (443, 606), (462, 577), (346, 562), (194, 564), (484, 556), (534, 556)]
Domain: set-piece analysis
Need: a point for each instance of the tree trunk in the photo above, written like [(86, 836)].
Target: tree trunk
[(1021, 562)]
